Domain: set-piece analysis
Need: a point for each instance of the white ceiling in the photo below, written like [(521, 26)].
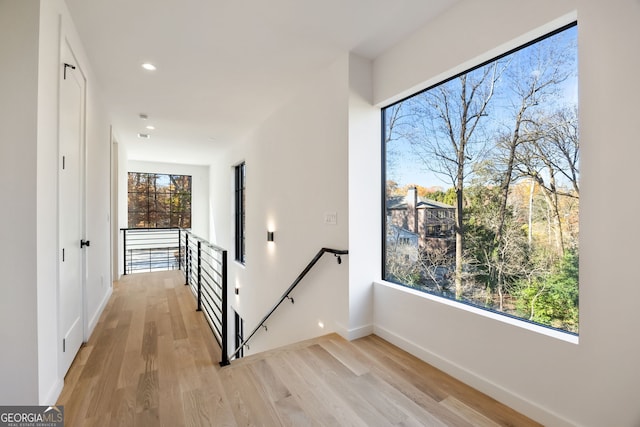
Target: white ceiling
[(223, 65)]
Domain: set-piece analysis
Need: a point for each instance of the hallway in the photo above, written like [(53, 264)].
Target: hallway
[(152, 361)]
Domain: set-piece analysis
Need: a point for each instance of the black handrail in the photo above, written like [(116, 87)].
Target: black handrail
[(286, 293)]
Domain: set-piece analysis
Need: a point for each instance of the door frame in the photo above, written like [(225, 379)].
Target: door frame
[(114, 207)]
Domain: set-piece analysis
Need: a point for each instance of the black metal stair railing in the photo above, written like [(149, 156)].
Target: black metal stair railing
[(286, 295), (150, 249), (205, 270)]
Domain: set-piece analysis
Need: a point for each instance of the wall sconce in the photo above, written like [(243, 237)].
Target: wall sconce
[(237, 290), (269, 236)]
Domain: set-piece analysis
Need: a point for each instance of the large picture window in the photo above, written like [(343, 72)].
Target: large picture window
[(481, 185), (159, 200)]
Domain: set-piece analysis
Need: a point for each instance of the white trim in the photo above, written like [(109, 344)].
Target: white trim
[(96, 316), (354, 333), (360, 332), (553, 333), (53, 394)]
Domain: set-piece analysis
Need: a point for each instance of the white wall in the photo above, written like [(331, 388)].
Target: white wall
[(296, 171), (364, 192), (593, 382), (18, 141), (122, 202), (30, 46)]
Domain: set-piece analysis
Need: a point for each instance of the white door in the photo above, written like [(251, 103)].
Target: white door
[(71, 200)]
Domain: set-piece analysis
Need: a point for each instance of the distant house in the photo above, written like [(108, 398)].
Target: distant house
[(404, 241), (432, 221)]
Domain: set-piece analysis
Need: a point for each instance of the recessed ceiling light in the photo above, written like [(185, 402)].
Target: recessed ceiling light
[(151, 127), (144, 135), (148, 66)]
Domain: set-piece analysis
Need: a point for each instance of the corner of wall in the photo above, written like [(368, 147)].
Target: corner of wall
[(364, 189)]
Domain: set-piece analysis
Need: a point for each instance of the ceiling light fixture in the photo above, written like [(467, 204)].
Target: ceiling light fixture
[(149, 66), (150, 127)]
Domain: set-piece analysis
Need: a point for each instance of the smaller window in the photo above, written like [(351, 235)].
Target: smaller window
[(240, 218), (239, 334)]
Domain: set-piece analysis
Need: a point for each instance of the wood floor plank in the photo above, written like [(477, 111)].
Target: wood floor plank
[(103, 390), (415, 372), (338, 377), (345, 355), (123, 412), (130, 369), (148, 418), (320, 390), (196, 409), (218, 405), (152, 361), (177, 324), (304, 391), (270, 383), (291, 414), (471, 415), (147, 391), (248, 405)]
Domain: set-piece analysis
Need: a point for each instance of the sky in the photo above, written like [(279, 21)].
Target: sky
[(411, 170)]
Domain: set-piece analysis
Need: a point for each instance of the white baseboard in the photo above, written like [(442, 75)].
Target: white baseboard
[(362, 331), (96, 316), (355, 333), (499, 393), (53, 394)]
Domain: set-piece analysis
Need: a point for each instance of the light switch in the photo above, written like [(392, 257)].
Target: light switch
[(330, 218)]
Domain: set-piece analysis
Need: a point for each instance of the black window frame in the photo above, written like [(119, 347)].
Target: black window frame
[(239, 335), (386, 221), (240, 212)]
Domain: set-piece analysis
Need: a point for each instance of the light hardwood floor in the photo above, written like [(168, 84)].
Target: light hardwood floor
[(152, 361)]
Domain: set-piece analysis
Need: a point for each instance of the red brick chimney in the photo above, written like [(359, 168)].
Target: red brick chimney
[(412, 208)]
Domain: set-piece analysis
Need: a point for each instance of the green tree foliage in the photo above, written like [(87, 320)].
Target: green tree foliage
[(553, 300), (448, 197)]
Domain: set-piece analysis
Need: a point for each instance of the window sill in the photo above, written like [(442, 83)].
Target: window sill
[(553, 333)]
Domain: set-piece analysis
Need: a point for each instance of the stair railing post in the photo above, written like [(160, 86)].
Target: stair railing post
[(179, 249), (124, 253), (199, 275), (223, 323), (186, 259)]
